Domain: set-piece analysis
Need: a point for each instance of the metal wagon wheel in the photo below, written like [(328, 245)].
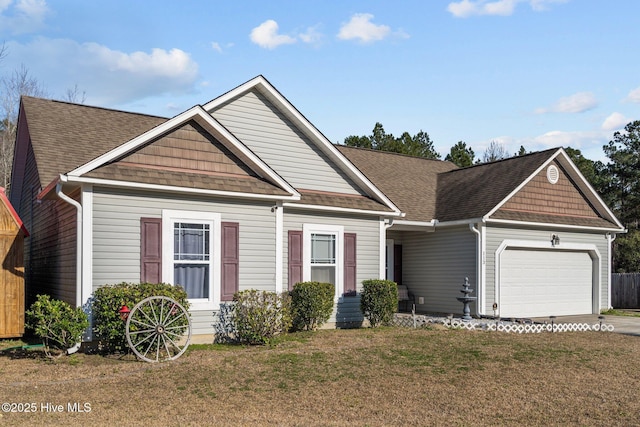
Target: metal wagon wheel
[(158, 329)]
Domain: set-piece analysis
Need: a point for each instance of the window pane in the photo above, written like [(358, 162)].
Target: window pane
[(194, 278), (323, 274), (191, 241), (323, 248)]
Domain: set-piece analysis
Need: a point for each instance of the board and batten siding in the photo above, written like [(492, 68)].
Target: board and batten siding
[(435, 264), (495, 235), (116, 238), (269, 134), (367, 230)]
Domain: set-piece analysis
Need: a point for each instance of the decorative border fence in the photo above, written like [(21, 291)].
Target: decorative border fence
[(416, 321), (625, 290)]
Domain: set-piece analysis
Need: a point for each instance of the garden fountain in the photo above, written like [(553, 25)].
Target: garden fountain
[(466, 299)]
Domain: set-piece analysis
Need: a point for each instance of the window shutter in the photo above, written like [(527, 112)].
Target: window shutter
[(230, 260), (151, 250), (295, 257), (349, 264)]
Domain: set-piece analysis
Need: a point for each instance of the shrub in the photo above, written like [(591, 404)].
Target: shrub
[(311, 304), (107, 300), (258, 316), (379, 301), (57, 323)]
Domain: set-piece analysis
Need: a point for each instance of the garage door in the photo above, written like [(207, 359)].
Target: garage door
[(537, 283)]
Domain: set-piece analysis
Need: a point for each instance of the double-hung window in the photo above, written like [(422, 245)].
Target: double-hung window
[(323, 252), (191, 255)]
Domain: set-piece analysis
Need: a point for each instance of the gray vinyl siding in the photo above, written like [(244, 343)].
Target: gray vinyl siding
[(269, 134), (116, 238), (367, 229), (435, 264), (496, 235)]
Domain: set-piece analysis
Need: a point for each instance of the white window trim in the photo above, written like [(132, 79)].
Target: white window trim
[(338, 230), (169, 217)]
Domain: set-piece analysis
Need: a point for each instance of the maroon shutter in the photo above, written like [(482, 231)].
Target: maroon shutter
[(151, 250), (295, 257), (349, 264), (230, 257)]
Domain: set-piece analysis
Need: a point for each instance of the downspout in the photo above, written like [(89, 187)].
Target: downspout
[(78, 207), (479, 301), (610, 240)]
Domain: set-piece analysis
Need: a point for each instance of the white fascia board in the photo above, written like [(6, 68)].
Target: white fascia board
[(401, 224), (307, 127), (461, 222), (339, 209), (555, 225), (195, 113), (173, 189)]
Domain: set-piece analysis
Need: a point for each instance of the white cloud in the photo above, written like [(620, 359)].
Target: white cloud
[(615, 121), (23, 16), (216, 46), (312, 35), (266, 35), (634, 96), (361, 28), (467, 8), (576, 103), (109, 77)]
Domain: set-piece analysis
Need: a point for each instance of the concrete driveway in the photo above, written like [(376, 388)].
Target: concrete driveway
[(621, 324)]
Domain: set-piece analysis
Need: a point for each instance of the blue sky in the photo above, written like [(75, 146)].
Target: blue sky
[(537, 73)]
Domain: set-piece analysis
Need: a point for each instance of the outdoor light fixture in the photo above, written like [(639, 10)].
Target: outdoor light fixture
[(555, 240), (124, 312)]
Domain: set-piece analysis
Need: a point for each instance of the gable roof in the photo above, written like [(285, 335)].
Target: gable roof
[(440, 192), (79, 131), (266, 89), (410, 182)]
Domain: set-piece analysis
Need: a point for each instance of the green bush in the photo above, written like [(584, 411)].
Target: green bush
[(258, 316), (58, 324), (379, 301), (311, 304), (107, 300)]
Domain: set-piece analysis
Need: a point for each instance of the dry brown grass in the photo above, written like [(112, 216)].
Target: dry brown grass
[(346, 377)]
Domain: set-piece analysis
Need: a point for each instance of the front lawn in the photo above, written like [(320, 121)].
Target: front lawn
[(342, 377)]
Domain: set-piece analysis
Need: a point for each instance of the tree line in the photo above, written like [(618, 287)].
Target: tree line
[(617, 181)]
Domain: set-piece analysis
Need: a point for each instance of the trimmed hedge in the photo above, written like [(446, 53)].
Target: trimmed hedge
[(107, 300), (379, 301), (311, 304)]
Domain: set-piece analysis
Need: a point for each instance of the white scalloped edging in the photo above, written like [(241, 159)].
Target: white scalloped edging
[(500, 326)]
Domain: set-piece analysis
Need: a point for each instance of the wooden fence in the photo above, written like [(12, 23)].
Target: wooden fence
[(625, 290)]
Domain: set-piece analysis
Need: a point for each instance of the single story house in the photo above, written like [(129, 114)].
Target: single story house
[(244, 192)]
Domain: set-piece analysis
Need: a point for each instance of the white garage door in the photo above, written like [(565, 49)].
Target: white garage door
[(537, 283)]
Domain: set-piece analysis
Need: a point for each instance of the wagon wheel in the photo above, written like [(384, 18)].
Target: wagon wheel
[(158, 329)]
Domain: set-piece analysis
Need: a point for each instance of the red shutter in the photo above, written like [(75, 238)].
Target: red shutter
[(349, 264), (295, 257), (151, 250), (230, 260)]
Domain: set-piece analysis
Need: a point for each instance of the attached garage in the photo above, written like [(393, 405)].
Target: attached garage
[(539, 282)]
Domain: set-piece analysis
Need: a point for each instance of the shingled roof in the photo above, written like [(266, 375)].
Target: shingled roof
[(410, 182), (472, 192), (65, 136), (429, 190)]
